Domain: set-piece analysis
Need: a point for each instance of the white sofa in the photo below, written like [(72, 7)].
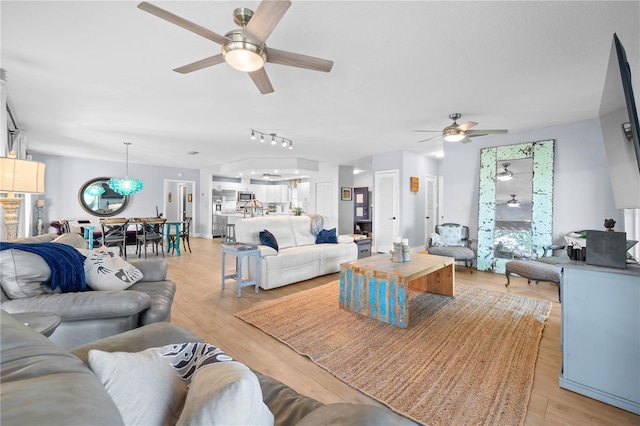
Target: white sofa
[(298, 257)]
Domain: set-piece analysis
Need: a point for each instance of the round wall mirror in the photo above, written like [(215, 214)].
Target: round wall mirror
[(98, 199)]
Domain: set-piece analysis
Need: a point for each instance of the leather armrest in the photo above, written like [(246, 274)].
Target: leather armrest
[(152, 269), (83, 305)]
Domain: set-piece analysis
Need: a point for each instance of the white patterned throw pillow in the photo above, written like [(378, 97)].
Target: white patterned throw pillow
[(105, 270), (191, 383)]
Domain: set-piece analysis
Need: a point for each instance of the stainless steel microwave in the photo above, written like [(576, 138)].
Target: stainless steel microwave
[(246, 196)]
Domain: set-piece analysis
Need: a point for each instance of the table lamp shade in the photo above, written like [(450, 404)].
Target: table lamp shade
[(21, 176)]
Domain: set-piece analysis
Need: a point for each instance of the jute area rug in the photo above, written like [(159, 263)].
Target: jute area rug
[(467, 360)]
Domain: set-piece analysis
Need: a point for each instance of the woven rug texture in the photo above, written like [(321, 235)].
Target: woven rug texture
[(467, 360)]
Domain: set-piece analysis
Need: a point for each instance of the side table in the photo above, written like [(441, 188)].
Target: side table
[(364, 247), (241, 251), (42, 322)]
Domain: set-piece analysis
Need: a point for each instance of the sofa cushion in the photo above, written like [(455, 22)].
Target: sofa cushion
[(21, 273), (327, 236), (302, 230), (73, 240), (268, 239)]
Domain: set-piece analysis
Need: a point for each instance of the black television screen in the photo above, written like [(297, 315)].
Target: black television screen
[(620, 129)]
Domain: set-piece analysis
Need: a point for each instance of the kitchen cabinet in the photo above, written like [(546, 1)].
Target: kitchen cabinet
[(303, 192), (600, 334), (260, 192)]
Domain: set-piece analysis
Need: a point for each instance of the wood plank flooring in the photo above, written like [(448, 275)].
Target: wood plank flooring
[(204, 308)]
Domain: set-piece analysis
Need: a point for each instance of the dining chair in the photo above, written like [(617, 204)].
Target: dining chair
[(151, 231), (184, 235), (114, 234)]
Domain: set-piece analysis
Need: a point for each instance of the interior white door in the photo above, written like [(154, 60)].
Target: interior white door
[(430, 207), (323, 198), (386, 219)]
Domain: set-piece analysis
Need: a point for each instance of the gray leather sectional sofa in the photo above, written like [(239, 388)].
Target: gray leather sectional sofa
[(43, 383), (91, 315)]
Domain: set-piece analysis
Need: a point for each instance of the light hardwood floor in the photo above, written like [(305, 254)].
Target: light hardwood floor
[(204, 308)]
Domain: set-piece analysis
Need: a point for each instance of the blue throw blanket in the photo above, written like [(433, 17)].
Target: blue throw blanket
[(66, 263)]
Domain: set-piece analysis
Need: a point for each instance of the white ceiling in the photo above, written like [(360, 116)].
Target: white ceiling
[(83, 77)]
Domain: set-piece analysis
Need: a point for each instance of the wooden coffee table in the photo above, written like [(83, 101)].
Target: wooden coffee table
[(379, 288)]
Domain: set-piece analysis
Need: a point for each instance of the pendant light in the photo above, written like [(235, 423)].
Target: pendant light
[(126, 185)]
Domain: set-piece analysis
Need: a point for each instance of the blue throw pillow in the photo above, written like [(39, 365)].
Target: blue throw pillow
[(327, 236), (267, 239)]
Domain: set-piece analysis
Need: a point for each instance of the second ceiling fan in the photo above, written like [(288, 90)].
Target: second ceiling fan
[(245, 49), (459, 132)]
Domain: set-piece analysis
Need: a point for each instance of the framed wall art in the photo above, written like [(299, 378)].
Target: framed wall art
[(345, 194)]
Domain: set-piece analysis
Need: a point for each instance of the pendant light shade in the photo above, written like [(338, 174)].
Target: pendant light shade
[(126, 185)]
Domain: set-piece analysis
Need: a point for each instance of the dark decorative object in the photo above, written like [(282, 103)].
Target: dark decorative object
[(609, 224)]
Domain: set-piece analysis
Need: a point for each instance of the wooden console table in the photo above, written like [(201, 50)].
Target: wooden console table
[(378, 288)]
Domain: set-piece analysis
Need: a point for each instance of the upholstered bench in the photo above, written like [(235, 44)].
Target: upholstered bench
[(533, 270)]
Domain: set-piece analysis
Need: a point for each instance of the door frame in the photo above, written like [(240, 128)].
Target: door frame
[(395, 205), (434, 202)]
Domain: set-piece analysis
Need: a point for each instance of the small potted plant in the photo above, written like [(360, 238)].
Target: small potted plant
[(298, 211)]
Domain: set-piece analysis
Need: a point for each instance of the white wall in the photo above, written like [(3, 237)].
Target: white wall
[(345, 208), (65, 175), (412, 204), (583, 196)]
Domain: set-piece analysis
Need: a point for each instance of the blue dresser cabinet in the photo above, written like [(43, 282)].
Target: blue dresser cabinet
[(600, 339)]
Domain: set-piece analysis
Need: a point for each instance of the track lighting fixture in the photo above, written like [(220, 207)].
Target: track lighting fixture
[(284, 142)]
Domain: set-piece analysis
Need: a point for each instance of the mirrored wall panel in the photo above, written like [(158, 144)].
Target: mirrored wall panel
[(515, 203)]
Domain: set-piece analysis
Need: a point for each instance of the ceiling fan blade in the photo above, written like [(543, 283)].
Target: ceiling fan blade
[(265, 19), (261, 80), (202, 63), (181, 22), (466, 126), (465, 140), (428, 139), (474, 133), (291, 59)]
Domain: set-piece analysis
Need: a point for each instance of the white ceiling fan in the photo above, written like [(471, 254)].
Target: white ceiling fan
[(245, 49), (459, 132)]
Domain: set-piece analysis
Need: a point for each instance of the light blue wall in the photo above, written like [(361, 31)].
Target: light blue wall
[(582, 190), (65, 175)]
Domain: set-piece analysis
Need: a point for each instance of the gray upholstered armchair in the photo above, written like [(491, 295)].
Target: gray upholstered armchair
[(452, 239)]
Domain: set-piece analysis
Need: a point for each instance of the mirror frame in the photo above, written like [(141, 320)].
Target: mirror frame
[(542, 153), (86, 208)]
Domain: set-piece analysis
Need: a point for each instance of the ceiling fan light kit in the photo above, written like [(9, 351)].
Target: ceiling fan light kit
[(506, 174), (459, 133), (241, 54), (244, 49), (283, 141)]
